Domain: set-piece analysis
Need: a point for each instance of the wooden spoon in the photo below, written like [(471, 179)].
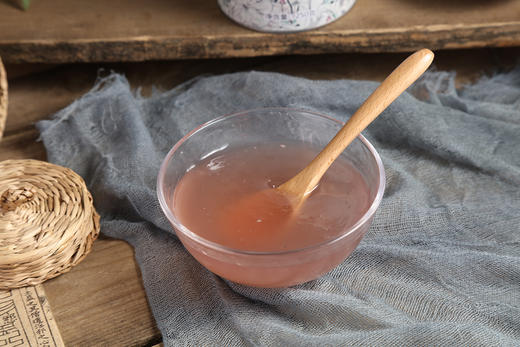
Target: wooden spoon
[(394, 85), (263, 213)]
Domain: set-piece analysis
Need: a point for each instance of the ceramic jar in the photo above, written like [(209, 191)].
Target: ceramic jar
[(284, 15)]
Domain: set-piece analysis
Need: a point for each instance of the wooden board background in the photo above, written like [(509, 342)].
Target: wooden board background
[(101, 302), (138, 30)]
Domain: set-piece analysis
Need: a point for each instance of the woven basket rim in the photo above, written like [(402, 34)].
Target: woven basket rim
[(3, 98)]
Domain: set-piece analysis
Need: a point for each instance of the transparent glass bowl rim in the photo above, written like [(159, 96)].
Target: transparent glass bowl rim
[(218, 247)]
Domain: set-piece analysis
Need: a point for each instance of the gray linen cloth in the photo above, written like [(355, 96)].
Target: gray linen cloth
[(440, 265)]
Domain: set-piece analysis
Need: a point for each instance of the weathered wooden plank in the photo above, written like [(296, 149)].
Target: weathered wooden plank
[(138, 30), (101, 301), (22, 145)]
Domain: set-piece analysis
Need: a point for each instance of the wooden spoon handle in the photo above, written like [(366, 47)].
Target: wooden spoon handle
[(393, 86)]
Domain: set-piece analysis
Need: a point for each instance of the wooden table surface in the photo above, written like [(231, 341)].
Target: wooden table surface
[(101, 302), (137, 30)]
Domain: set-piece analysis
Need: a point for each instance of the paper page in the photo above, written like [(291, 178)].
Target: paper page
[(26, 319)]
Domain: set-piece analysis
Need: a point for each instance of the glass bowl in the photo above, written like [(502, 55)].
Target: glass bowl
[(269, 269)]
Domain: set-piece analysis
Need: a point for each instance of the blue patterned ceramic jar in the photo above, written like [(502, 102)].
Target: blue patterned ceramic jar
[(284, 15)]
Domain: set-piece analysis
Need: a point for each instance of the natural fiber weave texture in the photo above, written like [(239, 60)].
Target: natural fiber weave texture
[(47, 221), (3, 98), (440, 265)]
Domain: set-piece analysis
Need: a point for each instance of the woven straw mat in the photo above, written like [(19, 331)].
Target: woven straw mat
[(47, 221)]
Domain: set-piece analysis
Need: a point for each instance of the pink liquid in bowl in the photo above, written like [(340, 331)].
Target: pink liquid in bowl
[(206, 197), (205, 175)]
